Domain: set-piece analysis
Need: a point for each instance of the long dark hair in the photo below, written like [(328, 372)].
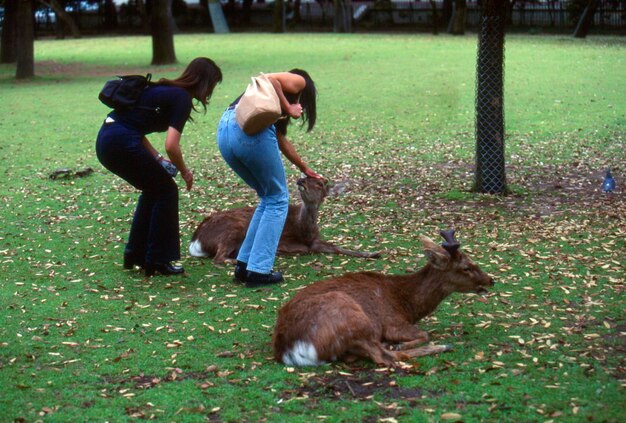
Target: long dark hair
[(308, 99), (199, 79)]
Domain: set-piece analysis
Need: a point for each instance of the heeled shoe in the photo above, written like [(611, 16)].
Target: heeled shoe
[(131, 260), (240, 272), (165, 269), (254, 279)]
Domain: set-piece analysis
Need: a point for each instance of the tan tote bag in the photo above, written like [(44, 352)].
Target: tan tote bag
[(259, 106)]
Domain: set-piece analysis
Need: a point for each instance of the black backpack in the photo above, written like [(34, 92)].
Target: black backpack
[(123, 93)]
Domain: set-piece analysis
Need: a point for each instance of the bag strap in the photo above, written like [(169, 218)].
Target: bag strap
[(149, 82)]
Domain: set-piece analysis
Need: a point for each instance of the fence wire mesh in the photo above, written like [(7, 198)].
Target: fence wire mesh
[(490, 167)]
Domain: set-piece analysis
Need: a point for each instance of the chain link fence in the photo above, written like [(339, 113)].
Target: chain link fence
[(490, 169)]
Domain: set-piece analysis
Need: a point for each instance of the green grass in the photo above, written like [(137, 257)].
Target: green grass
[(83, 340)]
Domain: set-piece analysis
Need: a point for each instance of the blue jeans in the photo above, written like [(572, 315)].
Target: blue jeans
[(154, 233), (257, 160)]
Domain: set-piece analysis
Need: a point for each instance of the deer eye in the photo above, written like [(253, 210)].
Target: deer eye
[(467, 269)]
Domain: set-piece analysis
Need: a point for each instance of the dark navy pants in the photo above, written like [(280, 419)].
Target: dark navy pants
[(154, 233)]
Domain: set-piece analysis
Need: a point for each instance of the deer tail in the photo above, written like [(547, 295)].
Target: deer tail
[(195, 249)]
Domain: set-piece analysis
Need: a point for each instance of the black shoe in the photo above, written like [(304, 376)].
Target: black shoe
[(254, 279), (240, 271), (165, 269), (131, 260)]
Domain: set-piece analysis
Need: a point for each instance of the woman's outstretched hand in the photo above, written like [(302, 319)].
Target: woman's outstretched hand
[(312, 174), (188, 177)]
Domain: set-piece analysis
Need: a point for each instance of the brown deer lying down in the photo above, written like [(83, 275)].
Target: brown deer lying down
[(358, 315), (220, 235)]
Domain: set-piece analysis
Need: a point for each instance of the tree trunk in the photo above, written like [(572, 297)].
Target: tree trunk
[(509, 10), (63, 17), (446, 14), (162, 23), (433, 6), (206, 14), (8, 47), (246, 12), (490, 164), (144, 15), (110, 15), (586, 19), (343, 16), (25, 35), (279, 16), (296, 11), (458, 17)]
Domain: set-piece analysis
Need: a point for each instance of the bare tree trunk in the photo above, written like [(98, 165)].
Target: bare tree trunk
[(25, 36), (343, 16), (246, 12), (296, 11), (279, 16), (458, 17), (433, 6), (509, 11), (63, 16), (446, 14), (8, 48), (145, 18), (206, 14), (162, 33), (110, 14), (586, 19)]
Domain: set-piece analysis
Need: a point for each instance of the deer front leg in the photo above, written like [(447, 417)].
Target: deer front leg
[(403, 346), (401, 337), (221, 255), (425, 350), (292, 248), (225, 253), (374, 350), (326, 247), (404, 333)]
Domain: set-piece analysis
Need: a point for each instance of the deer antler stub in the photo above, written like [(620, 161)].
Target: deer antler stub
[(451, 244)]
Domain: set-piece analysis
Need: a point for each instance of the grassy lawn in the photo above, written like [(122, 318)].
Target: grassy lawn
[(83, 340)]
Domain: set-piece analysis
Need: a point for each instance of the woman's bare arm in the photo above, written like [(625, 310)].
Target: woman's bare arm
[(172, 146), (292, 155), (290, 83)]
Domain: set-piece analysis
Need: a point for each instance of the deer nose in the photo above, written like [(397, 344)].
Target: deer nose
[(491, 282), (300, 182)]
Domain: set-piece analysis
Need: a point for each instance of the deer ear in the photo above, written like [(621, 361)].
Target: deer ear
[(335, 189), (436, 255)]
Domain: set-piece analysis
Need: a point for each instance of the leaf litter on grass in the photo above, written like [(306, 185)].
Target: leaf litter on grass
[(555, 247), (535, 242)]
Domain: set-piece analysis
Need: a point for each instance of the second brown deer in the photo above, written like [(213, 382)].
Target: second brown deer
[(221, 234), (372, 315)]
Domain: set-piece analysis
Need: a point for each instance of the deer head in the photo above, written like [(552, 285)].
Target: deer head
[(459, 271), (313, 190)]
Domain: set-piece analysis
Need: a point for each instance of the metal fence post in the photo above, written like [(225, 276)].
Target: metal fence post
[(490, 167)]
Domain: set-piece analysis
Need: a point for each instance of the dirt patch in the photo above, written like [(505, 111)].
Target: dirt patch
[(53, 68), (357, 386), (367, 385)]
